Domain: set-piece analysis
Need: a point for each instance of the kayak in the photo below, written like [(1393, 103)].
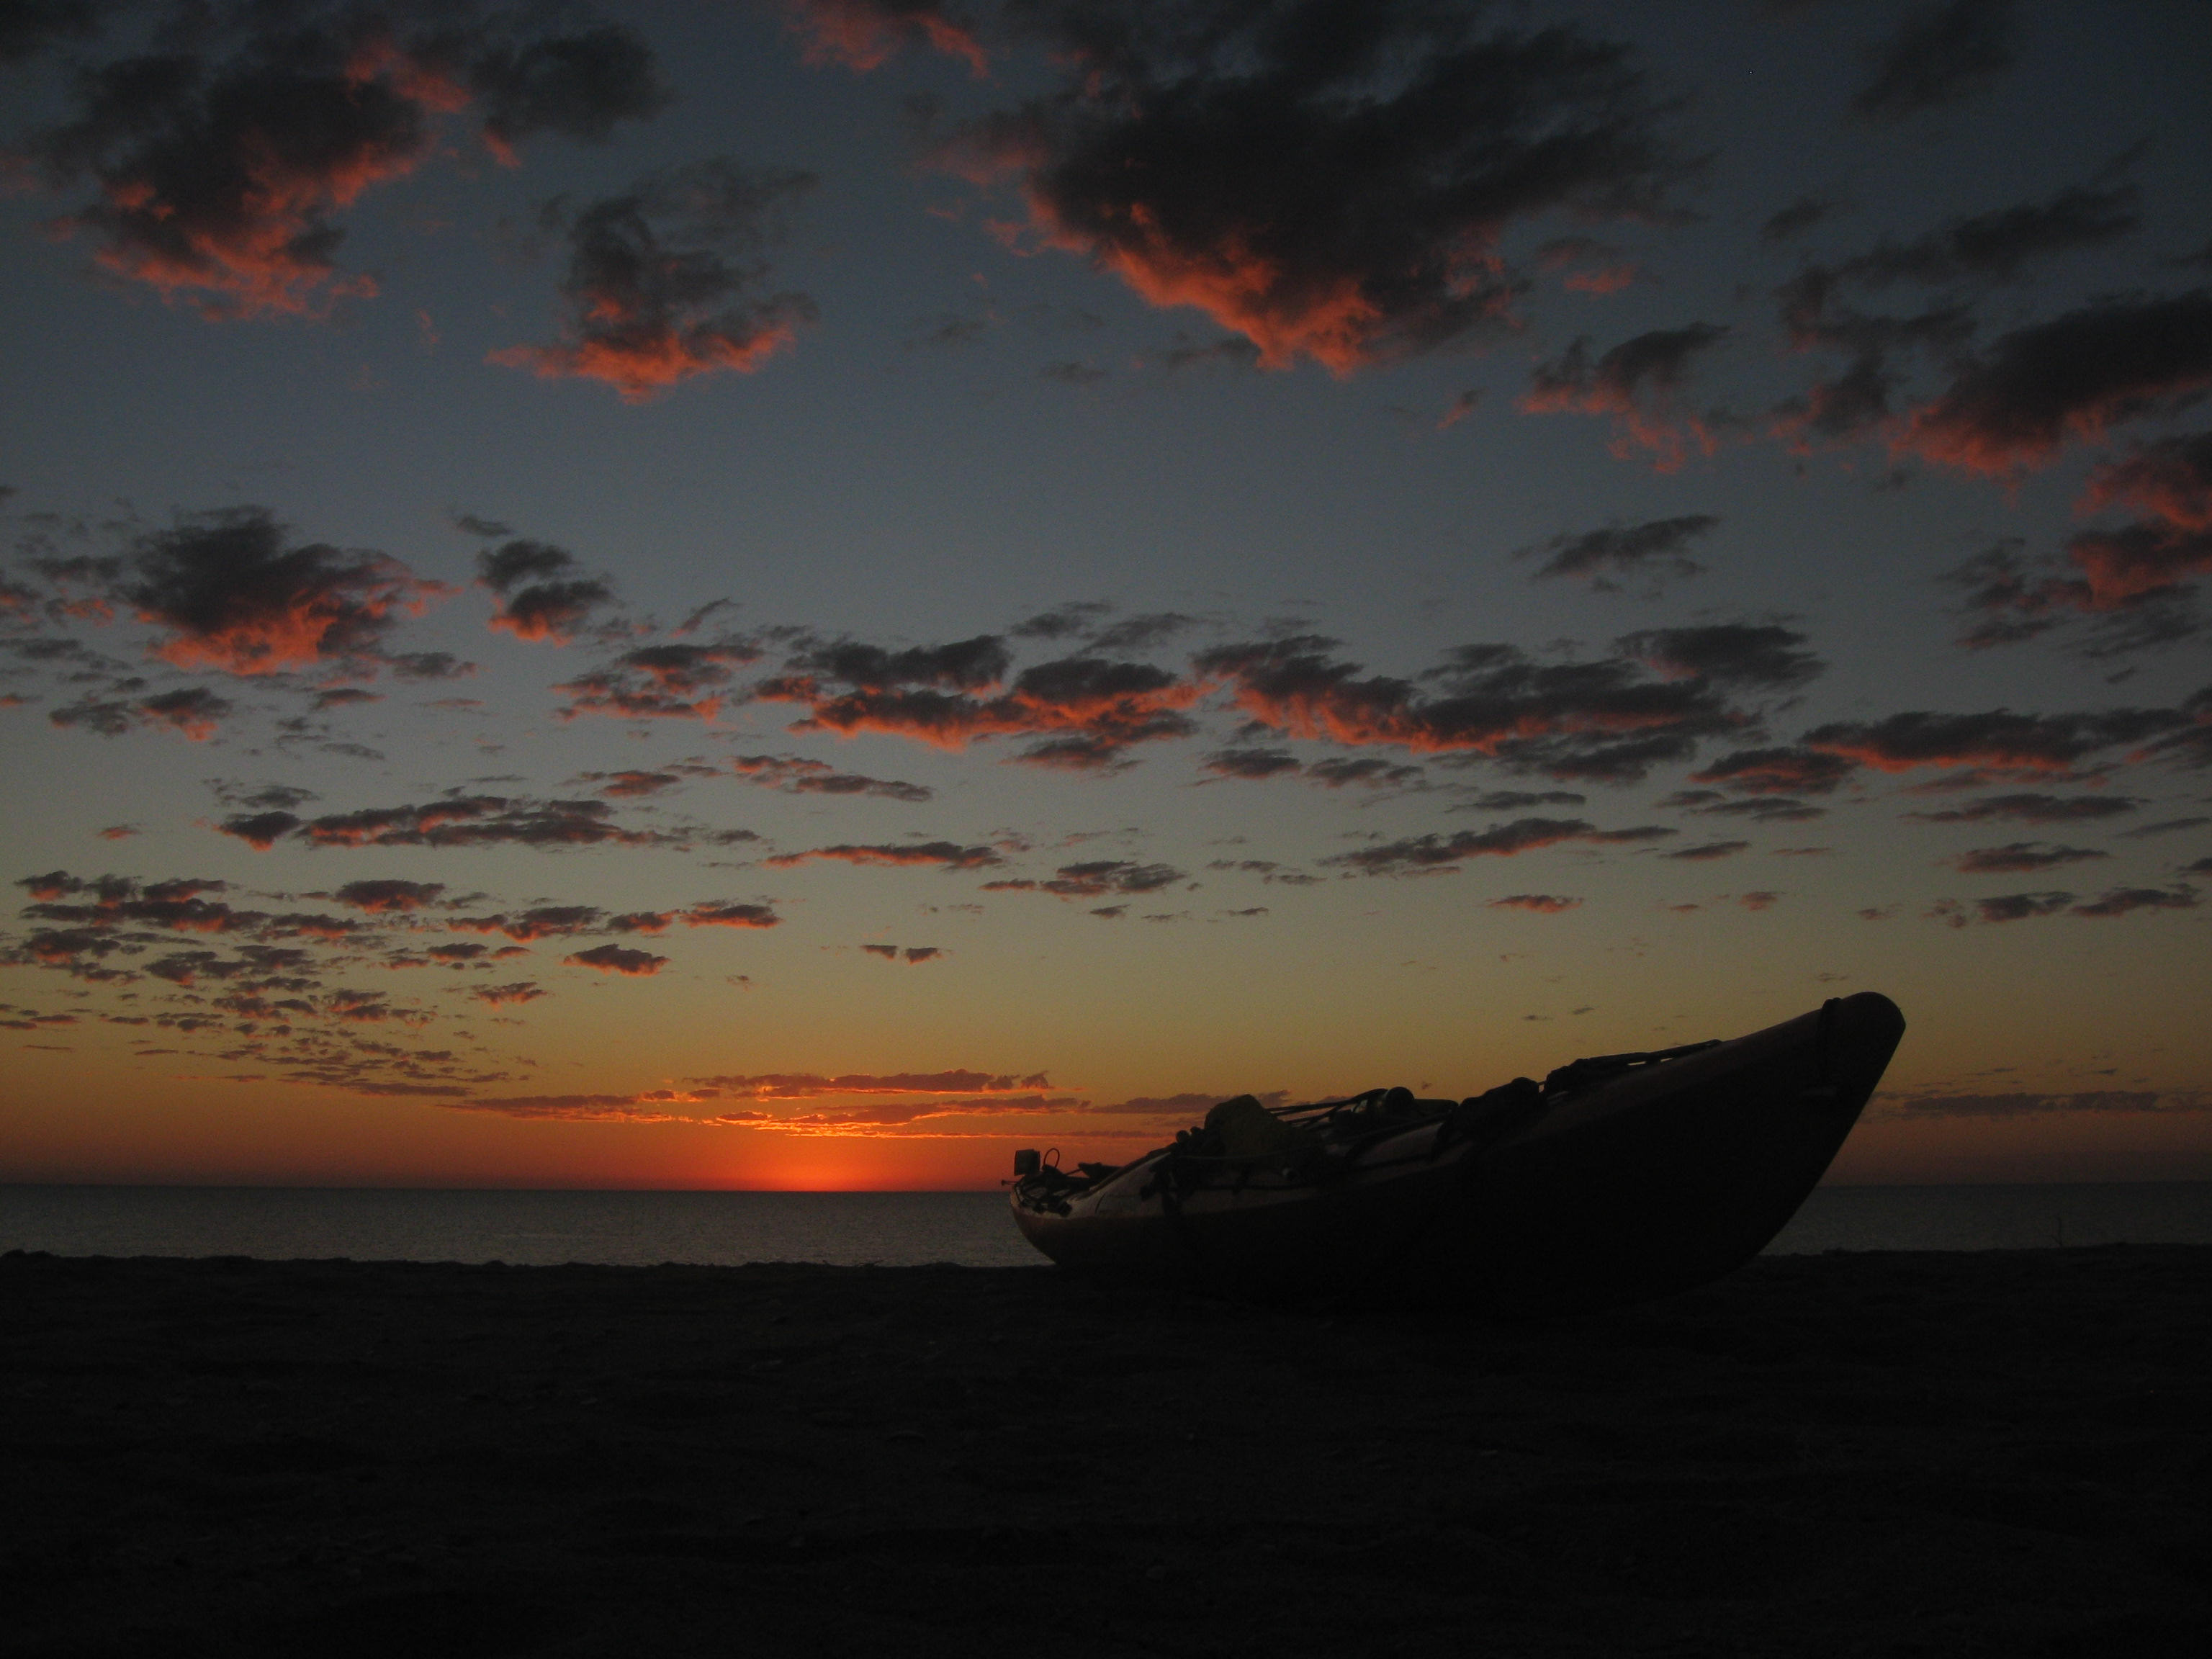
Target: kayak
[(1617, 1178)]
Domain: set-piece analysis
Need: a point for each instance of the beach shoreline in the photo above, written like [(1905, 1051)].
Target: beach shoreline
[(1881, 1452)]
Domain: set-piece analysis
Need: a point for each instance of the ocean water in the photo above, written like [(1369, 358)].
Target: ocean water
[(910, 1229)]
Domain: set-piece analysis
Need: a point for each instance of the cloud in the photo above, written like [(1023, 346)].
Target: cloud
[(1543, 904), (389, 896), (1706, 851), (866, 34), (227, 593), (193, 712), (634, 785), (537, 600), (1088, 710), (1764, 657), (796, 776), (220, 158), (1778, 771), (2019, 857), (1995, 246), (1801, 215), (1341, 772), (1252, 764), (617, 959), (913, 954), (542, 921), (2024, 1103), (1609, 718), (813, 1086), (1327, 182), (658, 682), (2034, 809), (1596, 558), (1638, 383), (31, 27), (2019, 907), (2000, 742), (943, 855), (1939, 55), (468, 820), (2166, 828), (2076, 376), (1096, 879), (665, 281), (730, 915), (1430, 854), (2170, 479), (511, 995), (2121, 901)]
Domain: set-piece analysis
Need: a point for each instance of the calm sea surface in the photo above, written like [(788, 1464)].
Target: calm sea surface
[(910, 1229)]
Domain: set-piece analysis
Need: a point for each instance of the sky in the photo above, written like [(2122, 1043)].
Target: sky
[(798, 595)]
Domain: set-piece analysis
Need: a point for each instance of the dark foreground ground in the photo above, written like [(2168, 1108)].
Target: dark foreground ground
[(1943, 1455)]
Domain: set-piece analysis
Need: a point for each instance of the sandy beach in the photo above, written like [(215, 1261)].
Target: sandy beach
[(2007, 1453)]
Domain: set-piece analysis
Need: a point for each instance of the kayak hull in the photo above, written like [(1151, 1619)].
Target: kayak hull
[(1662, 1178)]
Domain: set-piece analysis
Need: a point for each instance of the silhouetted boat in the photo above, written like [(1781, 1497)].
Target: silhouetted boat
[(1617, 1178)]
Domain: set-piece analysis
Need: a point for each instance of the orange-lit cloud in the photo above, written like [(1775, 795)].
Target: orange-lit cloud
[(936, 855), (658, 682), (730, 915), (1608, 719), (222, 156), (664, 281), (506, 996), (389, 896), (2072, 378), (2000, 742), (617, 959), (538, 599), (467, 821), (866, 34), (1432, 853), (1638, 383), (1346, 205), (1086, 710), (226, 591), (1545, 904)]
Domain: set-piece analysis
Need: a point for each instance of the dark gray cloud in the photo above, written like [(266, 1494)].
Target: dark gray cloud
[(192, 711), (231, 591), (668, 280), (538, 600), (1757, 656), (1085, 711), (1431, 853), (2126, 901), (659, 682), (1325, 180), (1939, 54), (1599, 557), (796, 776), (2034, 809), (2018, 401), (1638, 383), (1611, 719), (468, 820), (1096, 879), (2020, 857), (220, 155), (1781, 770), (28, 27), (1800, 217), (1998, 742)]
